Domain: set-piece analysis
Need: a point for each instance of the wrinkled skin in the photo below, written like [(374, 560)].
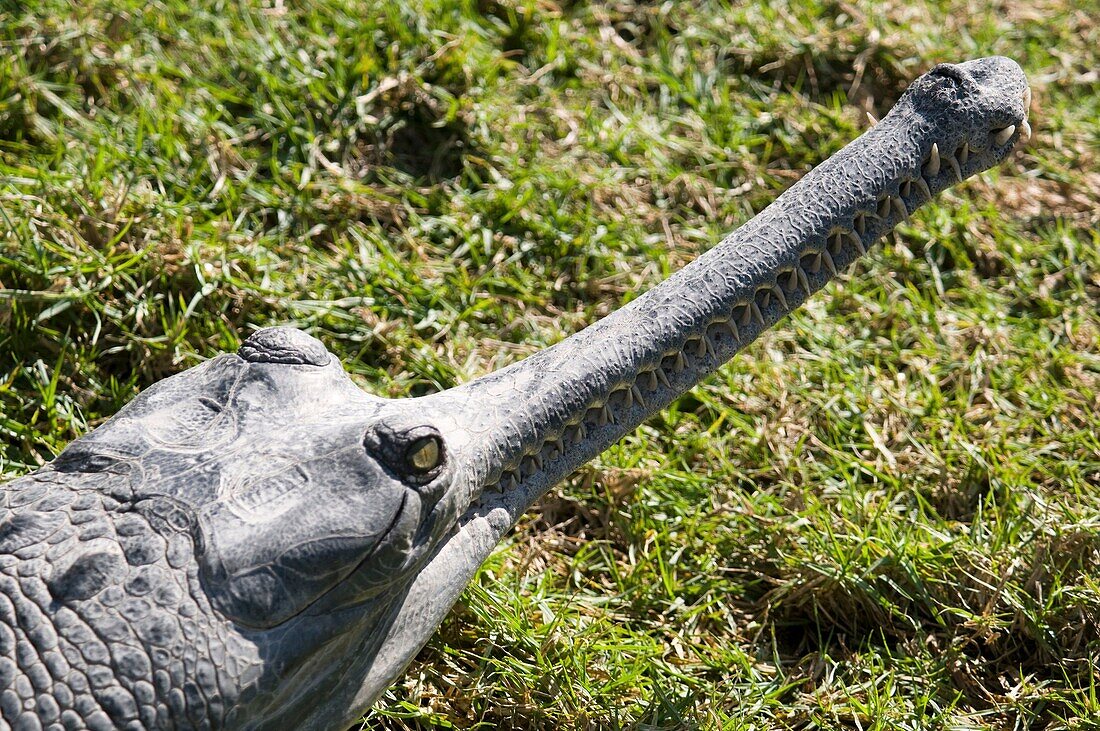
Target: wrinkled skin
[(257, 543)]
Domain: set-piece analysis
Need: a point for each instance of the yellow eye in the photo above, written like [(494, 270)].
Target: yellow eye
[(424, 455)]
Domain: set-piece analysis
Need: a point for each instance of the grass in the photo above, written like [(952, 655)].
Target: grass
[(885, 514)]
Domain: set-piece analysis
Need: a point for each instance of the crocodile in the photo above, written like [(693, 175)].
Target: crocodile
[(257, 543)]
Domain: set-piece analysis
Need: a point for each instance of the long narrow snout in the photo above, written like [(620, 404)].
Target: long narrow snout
[(529, 425), (513, 434)]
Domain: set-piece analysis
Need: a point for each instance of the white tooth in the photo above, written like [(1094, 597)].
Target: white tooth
[(899, 206), (1025, 131), (964, 153), (924, 188), (581, 431), (702, 348), (792, 280), (746, 315), (871, 119), (932, 167), (733, 329), (637, 395), (805, 280), (1027, 99), (778, 291), (829, 264), (884, 207), (815, 266), (628, 397), (955, 166), (603, 416), (653, 380), (756, 312), (861, 224), (906, 189), (663, 378), (835, 243), (856, 242), (1002, 136), (680, 363)]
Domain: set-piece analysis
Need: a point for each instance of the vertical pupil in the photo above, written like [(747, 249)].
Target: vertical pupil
[(424, 453)]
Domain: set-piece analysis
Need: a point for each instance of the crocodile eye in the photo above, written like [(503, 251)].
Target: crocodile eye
[(424, 454), (416, 454)]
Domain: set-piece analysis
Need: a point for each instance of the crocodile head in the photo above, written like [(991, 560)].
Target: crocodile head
[(308, 503), (330, 530)]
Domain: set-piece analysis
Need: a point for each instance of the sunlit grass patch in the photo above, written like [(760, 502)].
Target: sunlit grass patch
[(884, 514)]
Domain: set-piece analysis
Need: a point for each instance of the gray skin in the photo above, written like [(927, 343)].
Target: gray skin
[(257, 543)]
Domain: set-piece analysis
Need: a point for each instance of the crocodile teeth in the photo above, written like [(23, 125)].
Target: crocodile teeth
[(509, 482), (778, 292), (955, 167), (964, 153), (835, 243), (792, 280), (861, 224), (932, 167), (1002, 136), (732, 326), (906, 189), (872, 119), (1025, 131), (1027, 99), (628, 398), (603, 415), (756, 312), (829, 264), (579, 432), (884, 207), (805, 281), (702, 348), (924, 188), (679, 363), (856, 242), (746, 315), (637, 394), (536, 459), (899, 206), (653, 380), (662, 377), (815, 265)]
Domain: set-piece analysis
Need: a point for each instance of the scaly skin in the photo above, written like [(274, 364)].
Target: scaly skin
[(256, 543)]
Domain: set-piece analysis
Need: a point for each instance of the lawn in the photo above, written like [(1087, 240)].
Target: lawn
[(884, 514)]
